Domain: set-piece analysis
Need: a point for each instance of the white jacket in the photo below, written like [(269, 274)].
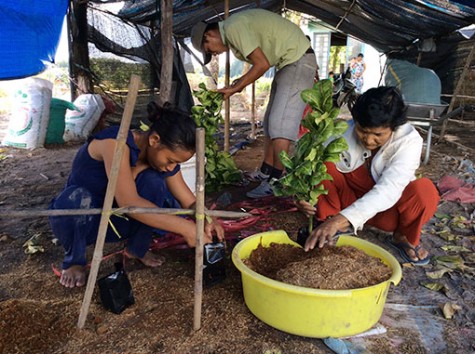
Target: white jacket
[(392, 168)]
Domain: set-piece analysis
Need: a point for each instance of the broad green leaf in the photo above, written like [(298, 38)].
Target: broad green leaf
[(340, 127), (334, 113), (337, 146), (331, 157), (325, 130), (321, 118), (310, 96), (285, 159), (311, 156)]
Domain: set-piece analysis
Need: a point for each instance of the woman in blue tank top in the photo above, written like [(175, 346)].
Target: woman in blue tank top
[(149, 177)]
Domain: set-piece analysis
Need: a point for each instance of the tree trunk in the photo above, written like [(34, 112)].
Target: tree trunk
[(79, 66)]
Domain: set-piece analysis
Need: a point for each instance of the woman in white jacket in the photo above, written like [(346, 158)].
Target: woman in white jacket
[(374, 182)]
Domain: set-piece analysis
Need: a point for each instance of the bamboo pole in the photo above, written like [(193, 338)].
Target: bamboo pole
[(227, 103), (127, 210), (109, 198), (253, 111), (457, 90), (200, 220)]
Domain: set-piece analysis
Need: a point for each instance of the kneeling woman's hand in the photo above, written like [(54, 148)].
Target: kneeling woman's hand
[(213, 226), (325, 232)]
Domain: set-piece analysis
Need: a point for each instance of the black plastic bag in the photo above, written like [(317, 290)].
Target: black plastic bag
[(116, 291), (302, 235), (214, 270)]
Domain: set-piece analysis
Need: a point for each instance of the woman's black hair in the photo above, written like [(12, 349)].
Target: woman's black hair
[(175, 127), (380, 107)]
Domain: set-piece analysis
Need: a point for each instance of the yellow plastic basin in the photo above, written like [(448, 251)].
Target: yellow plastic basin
[(313, 312)]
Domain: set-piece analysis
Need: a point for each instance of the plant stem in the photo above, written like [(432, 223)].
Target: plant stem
[(310, 224)]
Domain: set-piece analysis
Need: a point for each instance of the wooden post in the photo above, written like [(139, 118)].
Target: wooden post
[(227, 103), (200, 221), (33, 213), (253, 111), (78, 49), (166, 72), (109, 198), (457, 90)]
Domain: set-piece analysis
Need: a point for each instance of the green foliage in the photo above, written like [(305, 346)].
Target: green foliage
[(337, 56), (116, 74), (263, 85), (220, 168), (305, 171)]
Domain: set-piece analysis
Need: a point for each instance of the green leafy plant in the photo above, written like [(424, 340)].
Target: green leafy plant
[(220, 169), (305, 170)]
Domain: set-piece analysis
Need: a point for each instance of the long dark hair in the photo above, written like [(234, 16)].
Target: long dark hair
[(175, 127), (380, 107)]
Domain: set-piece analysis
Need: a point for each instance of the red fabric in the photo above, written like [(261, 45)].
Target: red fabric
[(416, 206), (302, 130), (455, 190)]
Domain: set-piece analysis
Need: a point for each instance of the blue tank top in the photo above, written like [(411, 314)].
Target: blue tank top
[(91, 174)]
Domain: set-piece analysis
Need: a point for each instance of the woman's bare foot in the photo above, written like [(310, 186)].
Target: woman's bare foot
[(149, 259), (73, 276)]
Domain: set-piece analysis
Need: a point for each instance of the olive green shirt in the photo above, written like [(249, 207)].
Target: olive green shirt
[(282, 41)]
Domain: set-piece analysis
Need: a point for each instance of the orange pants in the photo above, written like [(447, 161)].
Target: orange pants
[(416, 206)]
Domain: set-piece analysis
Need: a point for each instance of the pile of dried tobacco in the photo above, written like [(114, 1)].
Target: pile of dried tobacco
[(330, 268)]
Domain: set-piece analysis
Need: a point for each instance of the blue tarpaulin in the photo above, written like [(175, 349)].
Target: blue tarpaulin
[(29, 35)]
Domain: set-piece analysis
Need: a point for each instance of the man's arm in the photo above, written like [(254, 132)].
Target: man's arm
[(260, 65)]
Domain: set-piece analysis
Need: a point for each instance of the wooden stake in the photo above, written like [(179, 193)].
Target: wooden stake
[(227, 103), (109, 198), (200, 222), (128, 210), (253, 111), (166, 71)]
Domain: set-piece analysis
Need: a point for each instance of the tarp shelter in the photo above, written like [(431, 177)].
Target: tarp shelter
[(30, 28), (29, 35)]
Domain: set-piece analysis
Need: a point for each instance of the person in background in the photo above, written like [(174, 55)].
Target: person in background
[(149, 177), (374, 182), (331, 76), (358, 69), (265, 39)]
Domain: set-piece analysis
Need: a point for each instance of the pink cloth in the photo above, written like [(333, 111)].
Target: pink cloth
[(456, 190)]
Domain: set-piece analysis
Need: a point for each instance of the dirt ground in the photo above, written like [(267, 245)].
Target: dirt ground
[(37, 315)]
